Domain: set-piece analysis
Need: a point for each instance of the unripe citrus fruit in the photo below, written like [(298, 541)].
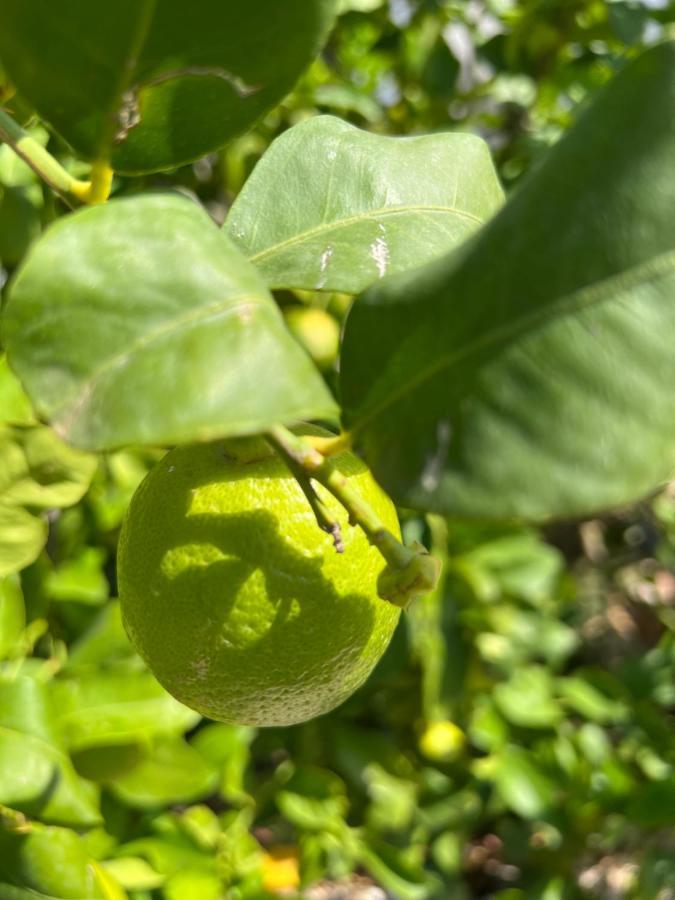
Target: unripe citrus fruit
[(236, 599), (317, 331)]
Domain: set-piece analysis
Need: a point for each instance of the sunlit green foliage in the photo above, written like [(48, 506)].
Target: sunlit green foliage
[(518, 739)]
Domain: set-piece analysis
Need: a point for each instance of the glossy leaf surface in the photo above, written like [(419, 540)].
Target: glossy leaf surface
[(156, 84), (139, 322), (331, 207), (530, 374)]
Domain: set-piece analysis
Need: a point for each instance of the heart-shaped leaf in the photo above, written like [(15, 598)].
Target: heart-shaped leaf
[(138, 322), (155, 84), (331, 207), (530, 373)]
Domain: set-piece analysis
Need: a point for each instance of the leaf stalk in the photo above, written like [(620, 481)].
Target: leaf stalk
[(72, 190)]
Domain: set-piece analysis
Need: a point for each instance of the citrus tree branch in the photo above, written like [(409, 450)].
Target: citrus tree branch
[(410, 571), (72, 190)]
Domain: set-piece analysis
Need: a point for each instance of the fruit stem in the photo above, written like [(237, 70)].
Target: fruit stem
[(70, 189), (325, 520), (410, 570)]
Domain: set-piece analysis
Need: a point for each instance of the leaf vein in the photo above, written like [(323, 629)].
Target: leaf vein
[(65, 418), (590, 295), (361, 217)]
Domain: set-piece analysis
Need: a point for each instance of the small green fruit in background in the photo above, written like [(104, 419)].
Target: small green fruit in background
[(317, 331)]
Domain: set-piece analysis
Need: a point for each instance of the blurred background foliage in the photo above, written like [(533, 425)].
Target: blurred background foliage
[(516, 741)]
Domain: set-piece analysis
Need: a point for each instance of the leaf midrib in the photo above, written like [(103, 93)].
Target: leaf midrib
[(338, 224), (590, 295), (72, 407)]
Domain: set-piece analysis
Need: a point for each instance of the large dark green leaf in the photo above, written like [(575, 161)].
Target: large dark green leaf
[(139, 322), (156, 84), (530, 373), (22, 537), (331, 207)]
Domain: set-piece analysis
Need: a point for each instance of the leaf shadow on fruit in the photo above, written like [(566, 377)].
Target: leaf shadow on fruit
[(312, 635)]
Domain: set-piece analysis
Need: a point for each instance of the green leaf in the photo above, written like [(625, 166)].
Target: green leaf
[(652, 806), (331, 207), (105, 641), (521, 784), (22, 537), (49, 860), (12, 615), (395, 872), (194, 885), (81, 579), (314, 800), (529, 373), (134, 873), (393, 801), (227, 747), (116, 707), (585, 698), (38, 470), (36, 775), (15, 406), (526, 699), (157, 84), (173, 773), (139, 322), (12, 892), (106, 763), (168, 854), (19, 224)]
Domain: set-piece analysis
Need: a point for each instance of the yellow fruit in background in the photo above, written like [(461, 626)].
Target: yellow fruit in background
[(317, 331), (442, 741), (281, 869), (235, 598)]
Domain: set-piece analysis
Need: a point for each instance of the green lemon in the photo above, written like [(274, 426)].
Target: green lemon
[(235, 598)]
